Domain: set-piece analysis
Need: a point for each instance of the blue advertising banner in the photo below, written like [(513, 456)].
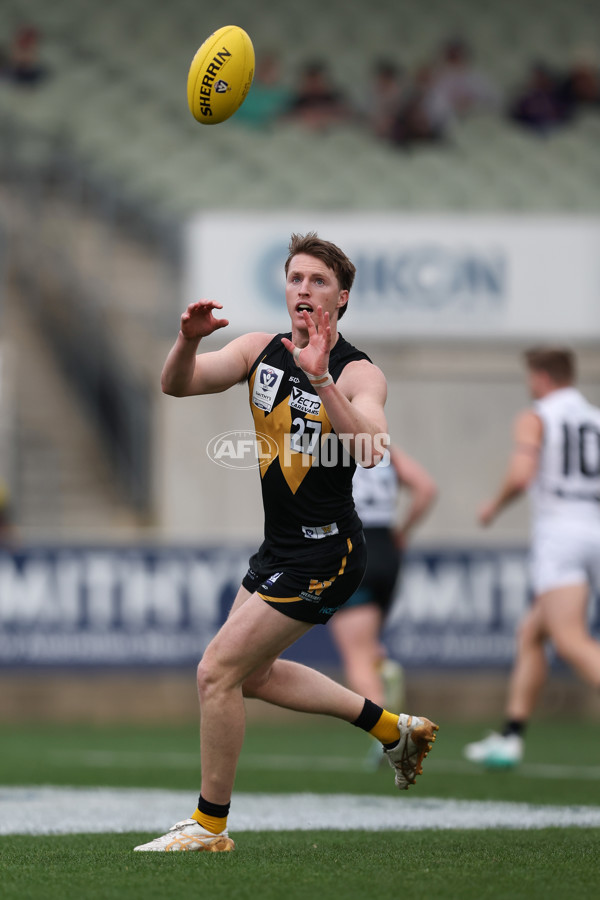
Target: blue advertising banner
[(122, 607)]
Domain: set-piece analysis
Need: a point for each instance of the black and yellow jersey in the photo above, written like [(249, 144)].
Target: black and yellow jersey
[(306, 475)]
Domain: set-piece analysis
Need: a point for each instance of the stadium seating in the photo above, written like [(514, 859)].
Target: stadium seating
[(110, 129), (115, 104)]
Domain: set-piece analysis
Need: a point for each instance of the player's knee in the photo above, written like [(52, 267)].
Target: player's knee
[(217, 673), (567, 647), (203, 677), (529, 632), (209, 676)]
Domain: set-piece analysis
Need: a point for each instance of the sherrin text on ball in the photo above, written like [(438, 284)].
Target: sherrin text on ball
[(220, 75)]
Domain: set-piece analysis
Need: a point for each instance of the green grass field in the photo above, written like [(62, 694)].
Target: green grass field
[(324, 865), (562, 768)]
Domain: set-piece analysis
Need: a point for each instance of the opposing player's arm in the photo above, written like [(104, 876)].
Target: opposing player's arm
[(187, 372), (421, 487), (522, 465), (355, 407)]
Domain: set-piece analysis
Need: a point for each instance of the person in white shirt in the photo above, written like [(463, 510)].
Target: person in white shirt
[(356, 628), (556, 457)]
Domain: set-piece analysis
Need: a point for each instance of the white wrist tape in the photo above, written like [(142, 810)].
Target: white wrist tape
[(320, 380)]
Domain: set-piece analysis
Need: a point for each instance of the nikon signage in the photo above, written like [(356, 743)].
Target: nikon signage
[(422, 276)]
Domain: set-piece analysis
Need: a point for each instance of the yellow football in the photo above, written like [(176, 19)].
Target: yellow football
[(220, 75)]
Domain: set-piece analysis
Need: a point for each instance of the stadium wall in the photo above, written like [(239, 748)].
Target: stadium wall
[(170, 697)]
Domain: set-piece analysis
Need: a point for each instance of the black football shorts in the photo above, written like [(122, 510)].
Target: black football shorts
[(313, 588)]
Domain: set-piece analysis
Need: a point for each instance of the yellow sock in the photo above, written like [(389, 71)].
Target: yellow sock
[(386, 728), (212, 824)]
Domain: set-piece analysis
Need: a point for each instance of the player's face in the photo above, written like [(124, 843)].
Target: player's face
[(310, 284)]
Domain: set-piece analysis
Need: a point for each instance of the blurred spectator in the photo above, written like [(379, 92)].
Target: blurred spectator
[(540, 106), (24, 66), (268, 98), (385, 96), (424, 116), (581, 85), (317, 103), (459, 85)]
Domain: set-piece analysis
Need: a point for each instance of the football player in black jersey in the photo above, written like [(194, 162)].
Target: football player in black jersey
[(320, 401)]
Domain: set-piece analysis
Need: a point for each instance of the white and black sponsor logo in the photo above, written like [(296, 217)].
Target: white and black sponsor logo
[(266, 383), (304, 402), (271, 580)]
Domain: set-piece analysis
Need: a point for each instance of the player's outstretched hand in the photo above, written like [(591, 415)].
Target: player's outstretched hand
[(314, 358), (198, 320)]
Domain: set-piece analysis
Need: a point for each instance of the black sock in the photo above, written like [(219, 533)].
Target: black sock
[(219, 811), (514, 726), (369, 717)]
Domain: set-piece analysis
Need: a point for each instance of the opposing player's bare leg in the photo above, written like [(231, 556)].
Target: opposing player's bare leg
[(356, 633), (564, 613), (505, 749), (530, 668)]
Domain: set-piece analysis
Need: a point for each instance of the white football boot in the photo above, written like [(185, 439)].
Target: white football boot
[(497, 751), (189, 835), (417, 736)]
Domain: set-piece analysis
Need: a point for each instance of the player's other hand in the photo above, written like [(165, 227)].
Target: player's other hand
[(198, 320)]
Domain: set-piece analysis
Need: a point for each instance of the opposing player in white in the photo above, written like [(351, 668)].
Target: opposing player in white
[(357, 627), (556, 456)]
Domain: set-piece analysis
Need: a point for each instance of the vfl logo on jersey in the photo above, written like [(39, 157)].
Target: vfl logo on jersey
[(266, 383), (306, 403)]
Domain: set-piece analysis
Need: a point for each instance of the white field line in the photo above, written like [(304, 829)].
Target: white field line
[(281, 762), (52, 810)]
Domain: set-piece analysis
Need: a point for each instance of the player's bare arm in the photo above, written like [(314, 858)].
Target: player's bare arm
[(355, 405), (522, 466), (421, 487), (187, 373)]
